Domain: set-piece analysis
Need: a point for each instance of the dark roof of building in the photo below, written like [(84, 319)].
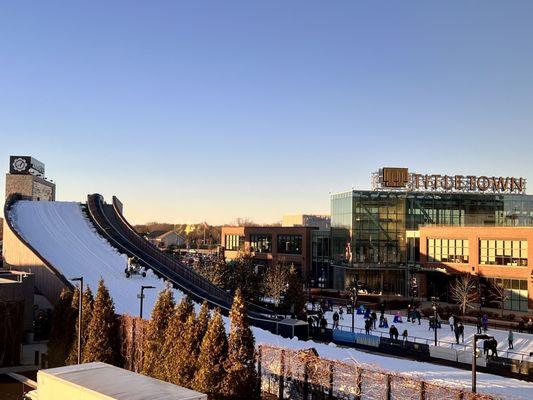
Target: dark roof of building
[(155, 234)]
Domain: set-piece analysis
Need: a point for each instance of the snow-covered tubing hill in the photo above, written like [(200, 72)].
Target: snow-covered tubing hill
[(64, 236)]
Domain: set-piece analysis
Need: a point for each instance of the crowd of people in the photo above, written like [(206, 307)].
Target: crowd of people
[(413, 316)]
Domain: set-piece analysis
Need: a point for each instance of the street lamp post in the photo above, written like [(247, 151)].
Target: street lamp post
[(141, 296), (80, 314), (435, 305), (353, 298), (474, 357)]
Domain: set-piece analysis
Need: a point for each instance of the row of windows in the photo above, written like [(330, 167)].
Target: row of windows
[(234, 242), (261, 243), (503, 252), (491, 252), (287, 244), (448, 250)]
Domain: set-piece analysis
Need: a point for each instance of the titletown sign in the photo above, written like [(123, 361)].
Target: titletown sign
[(401, 179)]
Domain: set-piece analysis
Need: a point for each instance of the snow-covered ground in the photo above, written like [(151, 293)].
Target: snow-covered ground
[(523, 342), (63, 235)]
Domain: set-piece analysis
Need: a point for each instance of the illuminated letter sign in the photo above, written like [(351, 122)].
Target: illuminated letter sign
[(400, 179)]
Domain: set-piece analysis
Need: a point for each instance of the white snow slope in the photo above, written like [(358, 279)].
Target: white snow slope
[(63, 235)]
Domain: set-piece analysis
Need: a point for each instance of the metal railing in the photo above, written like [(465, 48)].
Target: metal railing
[(440, 343)]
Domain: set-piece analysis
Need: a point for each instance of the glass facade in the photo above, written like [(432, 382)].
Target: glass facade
[(512, 292), (503, 252), (261, 243), (290, 244), (320, 252), (448, 250), (371, 226), (234, 242)]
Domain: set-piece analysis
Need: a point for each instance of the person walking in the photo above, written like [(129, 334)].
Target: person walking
[(418, 315), (374, 318), (478, 326), (393, 333), (529, 326), (510, 338), (341, 312), (485, 322), (461, 330), (451, 321), (404, 336), (335, 320), (456, 332), (368, 324)]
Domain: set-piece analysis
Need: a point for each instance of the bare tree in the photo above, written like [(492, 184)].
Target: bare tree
[(244, 222), (463, 291), (275, 281), (498, 294)]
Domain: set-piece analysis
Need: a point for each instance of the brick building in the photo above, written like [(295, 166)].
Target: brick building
[(500, 256), (268, 245)]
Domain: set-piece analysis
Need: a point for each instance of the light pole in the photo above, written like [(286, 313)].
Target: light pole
[(474, 357), (353, 298), (80, 314), (435, 305), (141, 296)]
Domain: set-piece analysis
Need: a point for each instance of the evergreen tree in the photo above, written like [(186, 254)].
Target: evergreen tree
[(294, 299), (62, 331), (184, 309), (155, 335), (179, 348), (213, 354), (241, 377), (202, 322), (244, 277), (103, 340), (87, 311)]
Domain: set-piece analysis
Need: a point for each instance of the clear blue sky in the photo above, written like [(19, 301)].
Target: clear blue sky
[(211, 110)]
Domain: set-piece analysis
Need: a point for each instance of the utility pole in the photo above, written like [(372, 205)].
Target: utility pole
[(80, 314)]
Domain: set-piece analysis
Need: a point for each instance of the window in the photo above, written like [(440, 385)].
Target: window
[(503, 252), (234, 242), (513, 293), (448, 250), (290, 244), (261, 243)]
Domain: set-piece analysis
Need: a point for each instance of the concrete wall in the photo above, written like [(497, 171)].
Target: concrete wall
[(18, 256), (30, 187)]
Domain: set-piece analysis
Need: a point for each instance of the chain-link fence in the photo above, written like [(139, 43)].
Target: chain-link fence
[(290, 374)]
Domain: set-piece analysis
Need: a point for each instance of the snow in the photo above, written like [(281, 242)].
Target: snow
[(63, 235), (522, 343)]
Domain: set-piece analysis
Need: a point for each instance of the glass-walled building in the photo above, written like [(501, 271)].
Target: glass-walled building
[(375, 234)]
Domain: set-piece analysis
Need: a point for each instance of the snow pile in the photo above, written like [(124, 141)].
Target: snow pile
[(63, 235)]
